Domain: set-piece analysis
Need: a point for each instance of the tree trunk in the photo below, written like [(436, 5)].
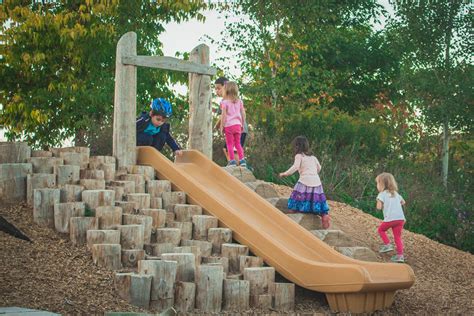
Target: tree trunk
[(445, 154)]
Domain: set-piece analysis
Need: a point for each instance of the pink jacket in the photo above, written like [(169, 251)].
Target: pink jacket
[(308, 167)]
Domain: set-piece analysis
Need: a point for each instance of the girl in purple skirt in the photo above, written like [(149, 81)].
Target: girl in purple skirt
[(308, 195)]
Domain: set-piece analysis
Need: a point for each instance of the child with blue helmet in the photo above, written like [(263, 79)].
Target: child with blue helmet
[(152, 128)]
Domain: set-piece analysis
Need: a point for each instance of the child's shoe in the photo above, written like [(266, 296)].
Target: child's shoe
[(398, 258), (326, 221), (232, 163), (243, 163), (386, 248)]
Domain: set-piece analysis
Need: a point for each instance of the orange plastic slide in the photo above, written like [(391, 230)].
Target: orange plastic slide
[(350, 285)]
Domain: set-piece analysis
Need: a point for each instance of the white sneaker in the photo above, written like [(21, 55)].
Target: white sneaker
[(386, 248)]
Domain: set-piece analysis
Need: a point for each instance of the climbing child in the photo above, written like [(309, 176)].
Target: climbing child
[(391, 203), (308, 195), (152, 128), (232, 122)]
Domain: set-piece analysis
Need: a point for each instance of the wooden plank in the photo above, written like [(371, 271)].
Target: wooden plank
[(169, 63)]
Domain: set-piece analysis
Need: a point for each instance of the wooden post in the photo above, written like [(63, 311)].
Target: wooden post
[(156, 187), (209, 280), (68, 174), (147, 171), (233, 252), (131, 257), (186, 229), (139, 180), (200, 121), (92, 184), (157, 249), (236, 295), (162, 284), (205, 247), (107, 255), (78, 227), (219, 236), (63, 213), (186, 265), (158, 216), (38, 181), (43, 206), (168, 235), (102, 237), (185, 212), (185, 294), (146, 221), (261, 279), (96, 198), (190, 249), (284, 296), (131, 236), (109, 216), (125, 102), (224, 261), (201, 224), (141, 200), (71, 193), (170, 198), (250, 262)]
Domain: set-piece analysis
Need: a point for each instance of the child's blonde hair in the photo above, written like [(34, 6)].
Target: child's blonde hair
[(231, 91), (387, 180)]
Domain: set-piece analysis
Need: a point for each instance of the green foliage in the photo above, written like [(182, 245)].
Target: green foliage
[(58, 60)]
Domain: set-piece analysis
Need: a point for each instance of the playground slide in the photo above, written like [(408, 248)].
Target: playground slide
[(350, 285)]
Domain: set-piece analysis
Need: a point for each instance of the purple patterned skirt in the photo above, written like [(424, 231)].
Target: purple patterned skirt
[(306, 199)]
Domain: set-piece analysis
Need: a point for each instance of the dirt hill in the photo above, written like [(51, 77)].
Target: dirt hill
[(53, 275)]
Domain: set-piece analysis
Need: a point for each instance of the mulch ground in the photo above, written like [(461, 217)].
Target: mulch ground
[(52, 274)]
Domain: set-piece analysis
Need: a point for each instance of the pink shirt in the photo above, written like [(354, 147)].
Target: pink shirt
[(233, 112), (308, 167)]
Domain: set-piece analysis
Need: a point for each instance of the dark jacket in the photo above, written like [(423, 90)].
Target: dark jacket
[(142, 122)]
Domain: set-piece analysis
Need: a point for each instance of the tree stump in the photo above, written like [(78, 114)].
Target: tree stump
[(205, 247), (78, 227), (157, 250), (139, 180), (146, 221), (283, 297), (71, 193), (209, 281), (127, 207), (186, 265), (96, 198), (168, 235), (219, 236), (141, 200), (224, 261), (236, 295), (156, 203), (92, 184), (185, 212), (185, 227), (131, 257), (147, 171), (263, 189), (45, 164), (170, 198), (261, 279), (63, 213), (107, 255), (109, 216), (95, 174), (131, 236), (68, 174), (156, 187), (102, 237), (189, 249), (43, 206), (233, 252), (201, 224), (249, 262), (128, 186), (185, 294), (38, 181), (262, 301), (158, 216), (162, 284)]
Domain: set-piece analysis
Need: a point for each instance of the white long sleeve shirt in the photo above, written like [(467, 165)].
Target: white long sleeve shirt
[(308, 167)]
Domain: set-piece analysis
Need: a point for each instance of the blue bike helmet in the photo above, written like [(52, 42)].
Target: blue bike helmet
[(162, 106)]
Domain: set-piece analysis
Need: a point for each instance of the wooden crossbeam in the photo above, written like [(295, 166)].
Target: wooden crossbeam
[(169, 63)]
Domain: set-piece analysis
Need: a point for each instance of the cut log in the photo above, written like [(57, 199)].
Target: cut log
[(186, 265), (63, 213), (96, 161), (147, 171), (261, 279), (131, 257), (119, 192), (68, 174), (205, 247), (71, 193), (102, 237), (96, 198), (156, 203), (168, 235), (141, 200), (156, 187), (95, 174), (157, 250), (127, 207), (74, 158), (162, 284), (219, 236), (262, 301), (13, 181), (139, 180), (209, 280), (170, 217), (128, 186), (236, 295), (14, 152), (43, 206), (185, 294), (158, 216), (78, 227), (140, 289), (233, 252), (185, 227), (107, 255), (38, 181), (249, 262), (283, 297), (109, 216), (131, 236), (146, 221), (92, 184), (170, 198), (201, 224), (185, 212), (224, 261), (83, 151), (41, 153), (109, 171), (189, 249), (262, 188), (45, 164)]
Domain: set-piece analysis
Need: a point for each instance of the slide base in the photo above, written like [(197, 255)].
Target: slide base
[(360, 302)]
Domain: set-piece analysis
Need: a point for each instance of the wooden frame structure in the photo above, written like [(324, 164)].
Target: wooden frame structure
[(125, 98)]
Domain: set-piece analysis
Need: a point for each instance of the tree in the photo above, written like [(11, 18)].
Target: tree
[(436, 46), (58, 59)]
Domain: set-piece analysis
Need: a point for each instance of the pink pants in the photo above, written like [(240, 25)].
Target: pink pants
[(397, 227), (232, 138)]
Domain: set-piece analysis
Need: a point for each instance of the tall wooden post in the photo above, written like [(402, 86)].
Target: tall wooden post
[(200, 120), (125, 102)]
